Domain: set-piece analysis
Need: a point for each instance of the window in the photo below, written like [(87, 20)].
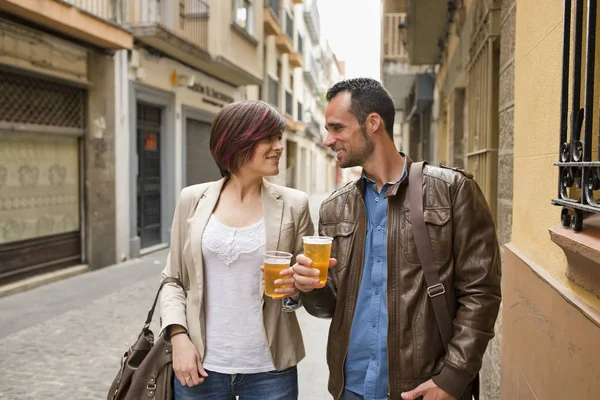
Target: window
[(289, 108), (578, 166), (243, 15), (289, 25), (273, 95), (482, 94), (181, 14)]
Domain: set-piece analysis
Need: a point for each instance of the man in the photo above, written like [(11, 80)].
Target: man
[(384, 341)]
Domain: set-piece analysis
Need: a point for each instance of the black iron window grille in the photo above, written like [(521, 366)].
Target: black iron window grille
[(28, 100), (579, 174)]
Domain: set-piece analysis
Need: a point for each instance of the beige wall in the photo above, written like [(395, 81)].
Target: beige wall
[(538, 68), (34, 50), (157, 72), (550, 349), (228, 42)]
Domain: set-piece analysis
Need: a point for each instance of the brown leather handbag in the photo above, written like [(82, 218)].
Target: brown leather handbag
[(146, 368)]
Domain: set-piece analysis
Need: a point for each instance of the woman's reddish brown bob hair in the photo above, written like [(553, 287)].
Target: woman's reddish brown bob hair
[(236, 130)]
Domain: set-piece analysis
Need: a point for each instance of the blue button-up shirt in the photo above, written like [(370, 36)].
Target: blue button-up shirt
[(366, 368)]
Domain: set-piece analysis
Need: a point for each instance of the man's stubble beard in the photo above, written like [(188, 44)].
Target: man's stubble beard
[(357, 158)]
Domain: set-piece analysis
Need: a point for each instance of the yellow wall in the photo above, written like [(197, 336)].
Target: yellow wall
[(538, 67)]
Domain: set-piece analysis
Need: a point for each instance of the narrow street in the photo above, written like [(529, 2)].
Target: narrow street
[(64, 340)]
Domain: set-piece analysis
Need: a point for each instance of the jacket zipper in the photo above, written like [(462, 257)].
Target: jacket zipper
[(362, 262)]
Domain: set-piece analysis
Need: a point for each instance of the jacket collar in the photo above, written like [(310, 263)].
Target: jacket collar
[(272, 206), (393, 189)]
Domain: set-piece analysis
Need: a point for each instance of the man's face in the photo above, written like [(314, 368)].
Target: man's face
[(345, 134)]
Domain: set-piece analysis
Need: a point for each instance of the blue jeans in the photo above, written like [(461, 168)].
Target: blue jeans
[(348, 395), (274, 385)]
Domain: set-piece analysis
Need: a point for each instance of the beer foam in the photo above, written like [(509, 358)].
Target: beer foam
[(277, 261), (317, 239)]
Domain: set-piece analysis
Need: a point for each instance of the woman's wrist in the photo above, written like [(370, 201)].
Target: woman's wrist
[(178, 333), (176, 330)]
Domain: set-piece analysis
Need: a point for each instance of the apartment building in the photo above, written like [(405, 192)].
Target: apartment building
[(451, 109), (514, 102), (58, 114), (106, 113), (190, 59), (294, 85)]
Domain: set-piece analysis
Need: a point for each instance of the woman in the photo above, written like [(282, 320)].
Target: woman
[(228, 338)]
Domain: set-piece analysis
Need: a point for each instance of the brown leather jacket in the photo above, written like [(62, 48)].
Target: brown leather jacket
[(466, 253)]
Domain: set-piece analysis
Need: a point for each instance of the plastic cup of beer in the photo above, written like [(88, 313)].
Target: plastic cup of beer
[(274, 263), (318, 249)]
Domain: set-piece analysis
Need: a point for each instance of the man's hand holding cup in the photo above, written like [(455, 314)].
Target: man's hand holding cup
[(306, 277)]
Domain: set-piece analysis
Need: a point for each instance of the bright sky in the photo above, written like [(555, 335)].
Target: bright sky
[(353, 28)]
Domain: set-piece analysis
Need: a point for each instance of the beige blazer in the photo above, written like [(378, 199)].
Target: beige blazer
[(286, 219)]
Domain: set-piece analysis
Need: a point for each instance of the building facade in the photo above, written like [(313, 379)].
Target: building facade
[(294, 85), (190, 59), (106, 113), (461, 107), (551, 318), (57, 134), (514, 102)]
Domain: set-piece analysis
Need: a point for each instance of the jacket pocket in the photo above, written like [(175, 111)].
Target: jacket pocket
[(439, 229), (342, 233)]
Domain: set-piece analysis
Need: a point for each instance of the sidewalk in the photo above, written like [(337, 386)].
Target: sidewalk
[(64, 340)]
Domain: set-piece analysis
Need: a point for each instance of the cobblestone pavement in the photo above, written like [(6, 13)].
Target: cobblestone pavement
[(64, 340)]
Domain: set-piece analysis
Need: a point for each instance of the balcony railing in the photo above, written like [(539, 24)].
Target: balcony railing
[(289, 26), (109, 10), (187, 19), (314, 129), (289, 108), (394, 41), (578, 168), (313, 24), (311, 75), (273, 5), (273, 92)]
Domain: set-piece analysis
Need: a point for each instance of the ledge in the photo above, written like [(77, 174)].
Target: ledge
[(583, 253), (566, 293), (71, 21), (284, 44), (245, 34)]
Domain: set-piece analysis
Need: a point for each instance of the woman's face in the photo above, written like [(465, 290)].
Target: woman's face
[(265, 158)]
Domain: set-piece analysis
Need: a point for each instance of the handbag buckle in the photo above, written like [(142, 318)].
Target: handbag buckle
[(436, 290), (151, 386)]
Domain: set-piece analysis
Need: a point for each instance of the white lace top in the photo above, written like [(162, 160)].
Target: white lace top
[(235, 337)]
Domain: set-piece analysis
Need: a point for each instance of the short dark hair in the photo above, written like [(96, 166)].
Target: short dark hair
[(236, 130), (367, 96)]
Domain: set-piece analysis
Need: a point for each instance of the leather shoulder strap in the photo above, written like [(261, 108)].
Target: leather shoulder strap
[(163, 283), (435, 289)]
